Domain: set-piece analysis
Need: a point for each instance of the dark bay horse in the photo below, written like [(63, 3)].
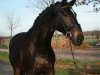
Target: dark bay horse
[(30, 53)]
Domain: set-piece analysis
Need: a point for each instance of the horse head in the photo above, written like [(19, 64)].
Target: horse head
[(66, 21)]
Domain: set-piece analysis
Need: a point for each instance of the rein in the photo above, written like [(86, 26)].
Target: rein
[(73, 57)]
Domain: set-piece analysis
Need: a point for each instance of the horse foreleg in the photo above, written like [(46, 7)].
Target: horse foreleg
[(22, 72), (16, 71)]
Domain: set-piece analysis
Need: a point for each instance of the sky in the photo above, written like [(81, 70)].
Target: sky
[(89, 20)]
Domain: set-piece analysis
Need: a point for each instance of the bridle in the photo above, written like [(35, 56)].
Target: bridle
[(67, 29), (59, 18)]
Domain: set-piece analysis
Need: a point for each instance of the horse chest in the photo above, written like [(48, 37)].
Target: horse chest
[(40, 62)]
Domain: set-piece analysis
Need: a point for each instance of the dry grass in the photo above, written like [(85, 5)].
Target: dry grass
[(63, 43)]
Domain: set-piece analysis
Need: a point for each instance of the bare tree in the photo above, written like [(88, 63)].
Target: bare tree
[(95, 4), (42, 4), (12, 21), (39, 4)]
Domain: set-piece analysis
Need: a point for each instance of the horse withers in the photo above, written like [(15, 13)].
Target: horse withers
[(30, 53)]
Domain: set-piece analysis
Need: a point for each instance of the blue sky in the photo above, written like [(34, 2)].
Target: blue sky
[(88, 21)]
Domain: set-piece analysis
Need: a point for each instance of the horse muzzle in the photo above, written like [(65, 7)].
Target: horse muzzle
[(77, 41)]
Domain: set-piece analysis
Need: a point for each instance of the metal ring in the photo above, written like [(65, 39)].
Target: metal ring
[(68, 34)]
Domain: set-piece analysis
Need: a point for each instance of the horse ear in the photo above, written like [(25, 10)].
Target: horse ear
[(64, 1), (52, 5), (71, 3)]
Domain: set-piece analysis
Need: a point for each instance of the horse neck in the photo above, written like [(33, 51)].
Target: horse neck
[(42, 37), (41, 33)]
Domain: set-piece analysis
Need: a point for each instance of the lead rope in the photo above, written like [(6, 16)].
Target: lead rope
[(73, 57), (72, 54)]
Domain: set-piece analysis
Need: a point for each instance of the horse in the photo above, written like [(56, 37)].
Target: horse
[(30, 52)]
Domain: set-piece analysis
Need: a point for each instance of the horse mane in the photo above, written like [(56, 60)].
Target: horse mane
[(39, 18)]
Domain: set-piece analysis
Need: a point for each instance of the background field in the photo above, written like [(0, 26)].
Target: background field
[(87, 57), (63, 66)]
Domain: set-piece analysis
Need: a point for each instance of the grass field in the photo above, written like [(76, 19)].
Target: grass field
[(4, 56), (66, 66)]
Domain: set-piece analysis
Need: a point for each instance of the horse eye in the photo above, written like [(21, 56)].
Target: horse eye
[(64, 13)]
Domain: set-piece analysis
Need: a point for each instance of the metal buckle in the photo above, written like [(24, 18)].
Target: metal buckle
[(68, 34)]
